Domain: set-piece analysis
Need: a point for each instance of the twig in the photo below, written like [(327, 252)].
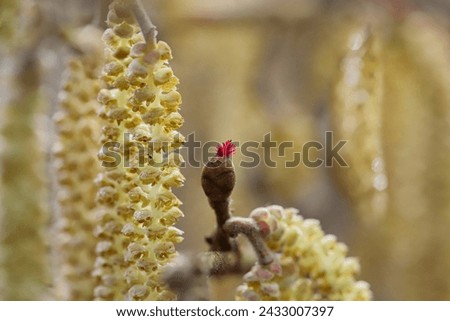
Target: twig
[(247, 226), (148, 28), (98, 19), (187, 277)]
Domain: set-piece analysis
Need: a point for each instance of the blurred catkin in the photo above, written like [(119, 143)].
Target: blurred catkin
[(23, 260), (357, 119), (138, 209), (417, 147), (307, 265), (76, 165), (24, 264), (391, 103)]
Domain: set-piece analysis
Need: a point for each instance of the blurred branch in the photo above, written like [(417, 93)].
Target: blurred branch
[(100, 14)]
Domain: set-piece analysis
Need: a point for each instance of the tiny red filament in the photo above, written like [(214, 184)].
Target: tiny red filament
[(226, 149)]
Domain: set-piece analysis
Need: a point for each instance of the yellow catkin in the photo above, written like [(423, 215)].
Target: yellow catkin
[(77, 166), (308, 264), (138, 209), (417, 140), (357, 118), (23, 214), (398, 179)]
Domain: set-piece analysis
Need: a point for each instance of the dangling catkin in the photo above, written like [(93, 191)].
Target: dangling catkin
[(135, 224)]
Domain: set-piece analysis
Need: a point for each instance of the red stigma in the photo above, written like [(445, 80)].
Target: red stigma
[(226, 149)]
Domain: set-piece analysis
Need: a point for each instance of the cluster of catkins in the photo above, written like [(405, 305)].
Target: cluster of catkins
[(307, 264), (131, 115), (115, 215), (295, 259)]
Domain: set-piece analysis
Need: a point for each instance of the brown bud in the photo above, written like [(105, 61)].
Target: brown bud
[(218, 179)]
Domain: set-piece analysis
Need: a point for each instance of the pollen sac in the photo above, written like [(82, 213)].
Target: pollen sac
[(142, 215), (138, 50), (154, 115), (112, 69), (107, 194), (172, 178), (164, 51), (123, 30), (171, 100), (174, 120), (162, 75), (138, 292), (136, 69), (150, 175), (141, 133), (143, 95)]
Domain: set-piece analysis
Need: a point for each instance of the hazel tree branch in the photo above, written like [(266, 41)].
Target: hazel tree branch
[(101, 11), (147, 27), (247, 226)]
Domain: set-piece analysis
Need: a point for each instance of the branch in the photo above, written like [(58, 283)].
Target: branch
[(101, 11), (247, 226), (147, 27), (187, 278)]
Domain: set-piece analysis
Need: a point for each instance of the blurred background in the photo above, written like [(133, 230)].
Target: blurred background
[(375, 73)]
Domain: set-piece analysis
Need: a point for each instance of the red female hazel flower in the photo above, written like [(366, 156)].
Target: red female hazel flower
[(226, 149)]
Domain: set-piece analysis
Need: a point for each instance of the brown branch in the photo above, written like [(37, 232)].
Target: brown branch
[(247, 226)]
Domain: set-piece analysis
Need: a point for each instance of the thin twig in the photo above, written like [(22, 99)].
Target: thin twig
[(247, 226), (148, 28)]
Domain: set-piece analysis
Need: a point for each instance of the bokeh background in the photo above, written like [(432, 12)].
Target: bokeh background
[(375, 73)]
